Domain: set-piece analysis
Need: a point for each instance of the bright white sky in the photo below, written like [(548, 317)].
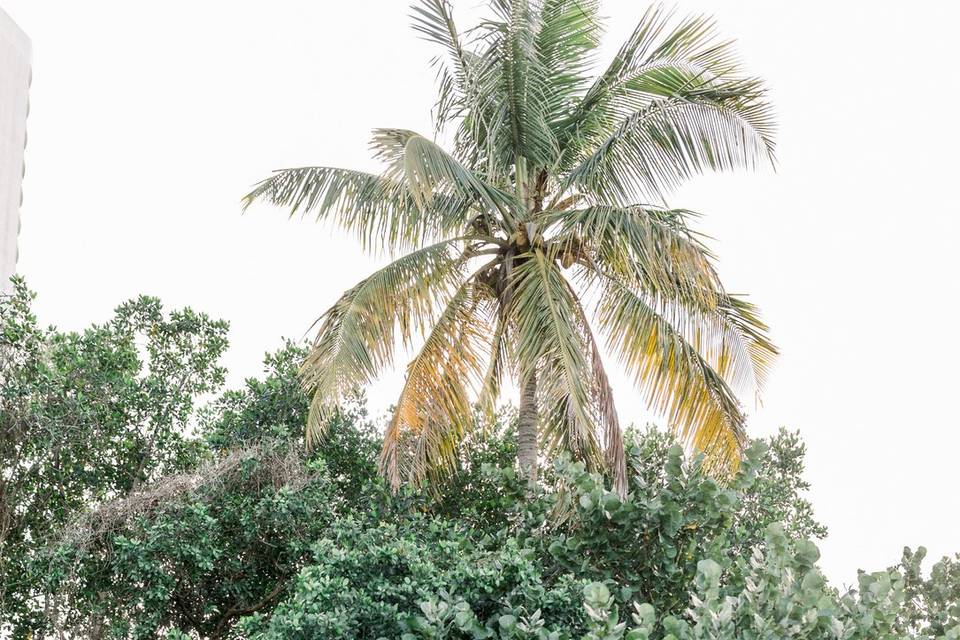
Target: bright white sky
[(149, 121)]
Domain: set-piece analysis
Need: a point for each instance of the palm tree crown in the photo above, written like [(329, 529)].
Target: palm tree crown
[(543, 228)]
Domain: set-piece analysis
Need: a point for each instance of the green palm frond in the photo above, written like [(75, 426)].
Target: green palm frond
[(462, 77), (426, 169), (550, 344), (654, 150), (525, 85), (505, 113), (357, 335), (433, 19), (653, 45), (662, 61), (651, 246), (471, 89), (566, 44), (381, 211)]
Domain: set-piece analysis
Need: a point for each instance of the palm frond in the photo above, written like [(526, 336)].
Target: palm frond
[(499, 364), (605, 408), (747, 336), (427, 170), (651, 246), (434, 412), (529, 71), (676, 380), (460, 79), (659, 59), (566, 43), (653, 44), (550, 344), (655, 252), (433, 19), (517, 86), (357, 335), (674, 101), (655, 149), (381, 211)]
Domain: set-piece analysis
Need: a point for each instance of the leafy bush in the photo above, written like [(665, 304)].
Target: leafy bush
[(578, 556), (366, 578)]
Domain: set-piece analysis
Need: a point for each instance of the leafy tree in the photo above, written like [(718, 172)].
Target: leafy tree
[(550, 199), (932, 604), (275, 408), (88, 417), (196, 551), (222, 541), (777, 495)]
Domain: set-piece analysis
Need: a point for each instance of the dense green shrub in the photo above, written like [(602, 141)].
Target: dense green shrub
[(775, 592), (365, 579), (581, 562)]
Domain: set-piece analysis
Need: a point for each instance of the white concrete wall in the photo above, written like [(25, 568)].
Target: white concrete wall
[(14, 84)]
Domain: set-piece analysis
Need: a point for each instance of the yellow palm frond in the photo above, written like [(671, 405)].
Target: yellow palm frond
[(653, 251), (357, 335), (434, 411), (677, 381)]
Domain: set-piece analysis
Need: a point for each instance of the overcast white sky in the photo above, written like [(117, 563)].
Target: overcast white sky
[(149, 121)]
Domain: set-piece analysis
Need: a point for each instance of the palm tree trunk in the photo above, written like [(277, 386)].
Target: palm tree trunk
[(527, 429)]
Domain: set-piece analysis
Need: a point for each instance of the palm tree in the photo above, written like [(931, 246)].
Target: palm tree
[(543, 228)]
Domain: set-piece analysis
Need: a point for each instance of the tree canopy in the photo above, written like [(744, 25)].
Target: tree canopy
[(228, 527)]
